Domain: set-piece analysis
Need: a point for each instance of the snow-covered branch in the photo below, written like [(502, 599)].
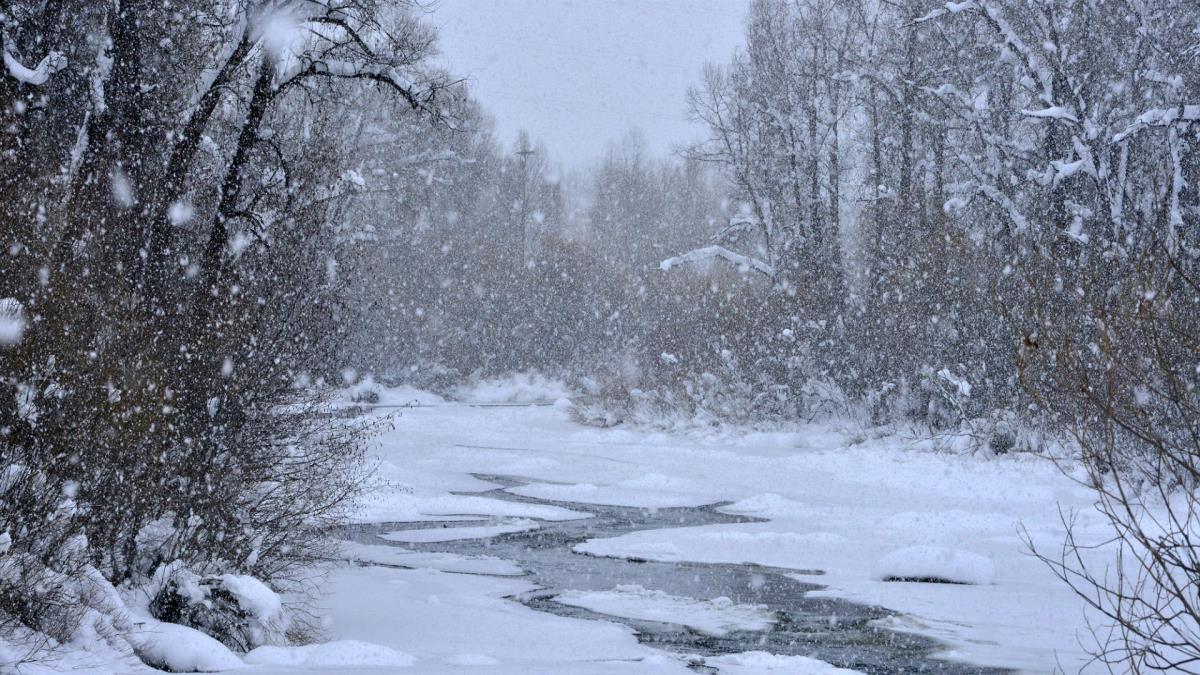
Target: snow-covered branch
[(37, 76), (382, 73), (742, 262), (948, 8)]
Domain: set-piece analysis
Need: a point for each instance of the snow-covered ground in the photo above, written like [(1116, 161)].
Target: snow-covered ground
[(860, 512)]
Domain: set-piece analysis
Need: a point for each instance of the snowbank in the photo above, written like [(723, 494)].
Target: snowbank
[(337, 654), (935, 564), (181, 649), (517, 388)]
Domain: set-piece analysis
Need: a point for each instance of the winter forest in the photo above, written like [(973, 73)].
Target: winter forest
[(307, 366)]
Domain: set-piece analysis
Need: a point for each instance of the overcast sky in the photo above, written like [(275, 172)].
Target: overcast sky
[(579, 73)]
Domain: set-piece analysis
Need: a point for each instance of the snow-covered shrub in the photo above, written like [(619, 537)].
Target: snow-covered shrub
[(365, 390), (1004, 431), (942, 398), (821, 397), (43, 553), (1118, 374), (239, 611)]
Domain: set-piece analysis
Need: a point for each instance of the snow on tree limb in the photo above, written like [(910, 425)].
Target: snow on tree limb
[(738, 260), (1160, 117), (948, 8), (1056, 112), (51, 64)]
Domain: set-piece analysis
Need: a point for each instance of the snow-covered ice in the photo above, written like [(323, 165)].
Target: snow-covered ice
[(833, 505), (445, 562), (717, 617), (448, 622)]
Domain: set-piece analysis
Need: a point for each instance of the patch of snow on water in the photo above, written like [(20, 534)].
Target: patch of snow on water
[(444, 562), (717, 617)]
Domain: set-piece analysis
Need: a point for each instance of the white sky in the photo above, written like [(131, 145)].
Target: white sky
[(579, 73)]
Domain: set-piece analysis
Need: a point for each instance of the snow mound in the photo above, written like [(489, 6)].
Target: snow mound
[(517, 388), (717, 617), (339, 654), (768, 505), (764, 662), (935, 564), (181, 649)]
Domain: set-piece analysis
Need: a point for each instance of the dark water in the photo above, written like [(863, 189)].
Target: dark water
[(828, 629)]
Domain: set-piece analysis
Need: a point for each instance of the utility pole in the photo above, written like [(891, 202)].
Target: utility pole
[(525, 152)]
